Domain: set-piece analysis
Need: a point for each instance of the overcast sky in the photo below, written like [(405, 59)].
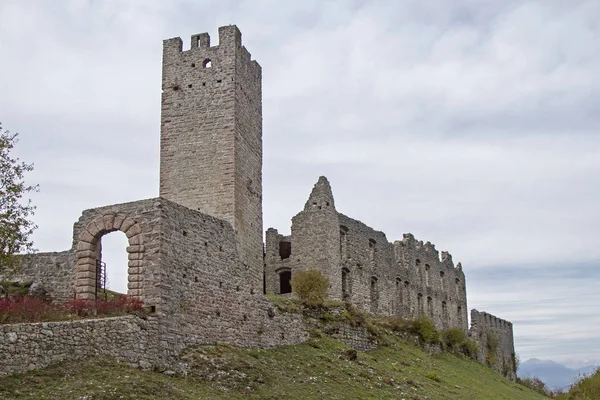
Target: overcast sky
[(474, 124)]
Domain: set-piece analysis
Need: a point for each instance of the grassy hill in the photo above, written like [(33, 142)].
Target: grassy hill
[(318, 369)]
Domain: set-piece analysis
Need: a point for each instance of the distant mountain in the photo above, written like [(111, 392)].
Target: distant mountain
[(554, 375)]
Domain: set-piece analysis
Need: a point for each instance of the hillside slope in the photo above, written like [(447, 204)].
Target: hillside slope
[(317, 369)]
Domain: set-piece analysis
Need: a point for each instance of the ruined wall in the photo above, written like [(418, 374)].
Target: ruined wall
[(278, 259), (128, 339), (408, 278), (56, 272), (494, 338), (368, 264), (206, 295), (430, 285), (186, 268), (211, 136)]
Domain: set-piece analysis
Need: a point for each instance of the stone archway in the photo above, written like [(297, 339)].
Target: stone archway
[(88, 253)]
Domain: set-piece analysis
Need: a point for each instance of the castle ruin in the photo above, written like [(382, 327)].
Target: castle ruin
[(196, 253)]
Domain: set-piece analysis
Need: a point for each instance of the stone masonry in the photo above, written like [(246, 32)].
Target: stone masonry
[(211, 136), (407, 278), (196, 256), (494, 337)]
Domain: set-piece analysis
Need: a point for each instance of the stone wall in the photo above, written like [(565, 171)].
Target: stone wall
[(429, 284), (491, 332), (211, 136), (55, 271), (32, 346), (408, 278), (206, 296), (357, 337)]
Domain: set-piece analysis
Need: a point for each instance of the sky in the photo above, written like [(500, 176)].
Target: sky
[(473, 124)]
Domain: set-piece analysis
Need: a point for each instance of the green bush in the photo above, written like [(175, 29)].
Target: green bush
[(469, 348), (426, 330), (433, 376), (310, 286), (534, 383), (453, 338)]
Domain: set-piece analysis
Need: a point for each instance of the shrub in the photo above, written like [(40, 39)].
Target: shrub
[(433, 376), (534, 383), (426, 330), (469, 348), (30, 309), (14, 310), (310, 286), (394, 324), (14, 289), (453, 338)]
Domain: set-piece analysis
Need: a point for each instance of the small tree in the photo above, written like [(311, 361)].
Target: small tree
[(310, 286), (15, 225)]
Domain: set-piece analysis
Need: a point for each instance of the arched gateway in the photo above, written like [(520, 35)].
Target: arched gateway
[(88, 254)]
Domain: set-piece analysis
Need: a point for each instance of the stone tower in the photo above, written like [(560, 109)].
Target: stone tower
[(316, 237), (211, 136)]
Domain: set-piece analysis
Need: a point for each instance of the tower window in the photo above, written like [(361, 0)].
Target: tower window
[(206, 63)]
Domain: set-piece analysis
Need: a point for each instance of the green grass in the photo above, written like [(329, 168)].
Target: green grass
[(316, 369)]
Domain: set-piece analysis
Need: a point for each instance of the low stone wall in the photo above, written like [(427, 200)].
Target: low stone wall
[(357, 337), (127, 339)]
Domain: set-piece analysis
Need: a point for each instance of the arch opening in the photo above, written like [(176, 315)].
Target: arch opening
[(89, 255), (113, 261)]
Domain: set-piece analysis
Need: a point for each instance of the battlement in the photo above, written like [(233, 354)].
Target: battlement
[(230, 44), (229, 36), (425, 251), (489, 320)]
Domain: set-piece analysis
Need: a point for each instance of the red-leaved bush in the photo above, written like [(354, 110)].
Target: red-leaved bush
[(30, 309)]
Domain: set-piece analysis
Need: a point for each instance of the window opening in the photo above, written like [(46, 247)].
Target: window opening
[(430, 306), (374, 295), (343, 242), (444, 313), (346, 283), (285, 282), (285, 249), (399, 299)]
